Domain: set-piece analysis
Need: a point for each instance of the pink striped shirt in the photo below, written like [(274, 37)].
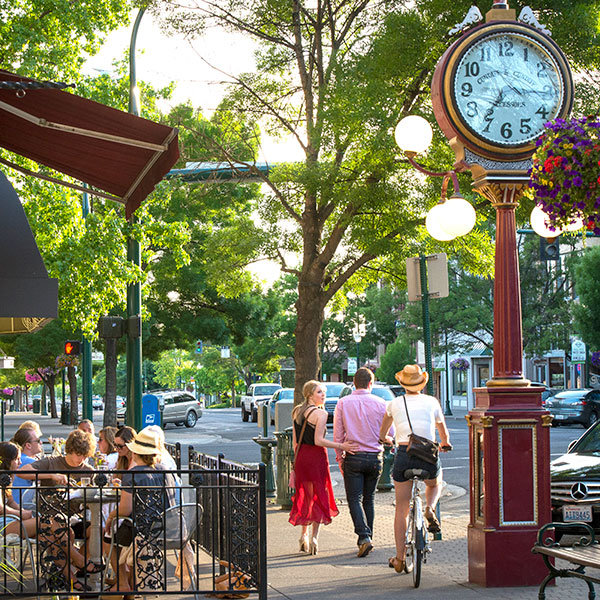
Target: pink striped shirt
[(358, 418)]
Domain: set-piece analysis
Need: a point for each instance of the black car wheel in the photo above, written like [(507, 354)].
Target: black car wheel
[(255, 416), (244, 415), (593, 417), (191, 419)]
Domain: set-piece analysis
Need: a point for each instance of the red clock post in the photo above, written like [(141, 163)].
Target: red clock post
[(493, 91)]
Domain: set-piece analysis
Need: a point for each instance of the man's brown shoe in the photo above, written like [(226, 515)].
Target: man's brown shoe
[(364, 549)]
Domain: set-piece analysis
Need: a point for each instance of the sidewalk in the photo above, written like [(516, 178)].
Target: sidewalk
[(335, 573)]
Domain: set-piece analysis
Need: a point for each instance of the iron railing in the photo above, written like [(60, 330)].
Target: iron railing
[(205, 535)]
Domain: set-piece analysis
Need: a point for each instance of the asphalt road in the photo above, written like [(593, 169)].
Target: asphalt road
[(222, 430)]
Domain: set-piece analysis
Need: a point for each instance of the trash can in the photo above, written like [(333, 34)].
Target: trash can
[(285, 458), (151, 414), (65, 413)]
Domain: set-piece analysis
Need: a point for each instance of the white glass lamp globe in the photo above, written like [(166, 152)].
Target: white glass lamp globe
[(575, 225), (433, 222), (541, 225), (413, 134), (458, 217)]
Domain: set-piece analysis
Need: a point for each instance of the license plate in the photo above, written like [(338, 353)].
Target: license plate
[(560, 417), (577, 513)]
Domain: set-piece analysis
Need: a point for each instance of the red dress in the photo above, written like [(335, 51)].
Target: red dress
[(313, 501)]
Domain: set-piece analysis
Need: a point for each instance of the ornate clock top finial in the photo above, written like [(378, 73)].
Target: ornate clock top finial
[(500, 4)]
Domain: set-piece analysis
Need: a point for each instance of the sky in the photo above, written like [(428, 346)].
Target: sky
[(190, 65)]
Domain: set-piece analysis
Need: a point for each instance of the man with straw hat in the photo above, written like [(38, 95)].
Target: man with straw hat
[(426, 417)]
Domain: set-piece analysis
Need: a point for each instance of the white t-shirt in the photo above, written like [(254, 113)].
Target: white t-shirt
[(425, 411)]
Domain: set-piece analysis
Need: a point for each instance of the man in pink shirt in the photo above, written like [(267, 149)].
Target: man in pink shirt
[(358, 418)]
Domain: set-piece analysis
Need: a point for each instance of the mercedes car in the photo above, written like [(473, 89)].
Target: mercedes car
[(575, 481)]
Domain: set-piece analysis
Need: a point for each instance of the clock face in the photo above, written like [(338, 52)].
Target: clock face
[(505, 87)]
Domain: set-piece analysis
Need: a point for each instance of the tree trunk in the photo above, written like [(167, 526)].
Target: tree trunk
[(50, 382), (110, 394), (308, 329), (72, 377)]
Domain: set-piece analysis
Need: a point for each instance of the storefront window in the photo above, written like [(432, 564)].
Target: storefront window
[(459, 382)]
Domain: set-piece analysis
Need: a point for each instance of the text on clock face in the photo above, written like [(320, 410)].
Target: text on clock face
[(506, 87)]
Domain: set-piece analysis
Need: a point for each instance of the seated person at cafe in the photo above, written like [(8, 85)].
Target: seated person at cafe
[(146, 494), (30, 442), (106, 446), (31, 425), (87, 426), (79, 446), (10, 511)]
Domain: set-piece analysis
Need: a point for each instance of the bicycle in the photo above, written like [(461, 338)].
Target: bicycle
[(417, 535)]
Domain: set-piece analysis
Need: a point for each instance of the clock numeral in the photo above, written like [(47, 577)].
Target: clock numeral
[(525, 128), (543, 111), (471, 109), (506, 131), (541, 67), (472, 69), (525, 54), (467, 90), (505, 48), (486, 53), (489, 119), (547, 92)]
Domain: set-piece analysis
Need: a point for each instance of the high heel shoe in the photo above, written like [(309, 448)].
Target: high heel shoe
[(397, 564), (314, 546), (304, 543)]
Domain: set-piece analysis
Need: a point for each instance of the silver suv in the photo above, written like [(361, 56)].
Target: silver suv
[(176, 406)]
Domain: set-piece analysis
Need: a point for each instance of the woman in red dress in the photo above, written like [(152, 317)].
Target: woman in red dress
[(313, 501)]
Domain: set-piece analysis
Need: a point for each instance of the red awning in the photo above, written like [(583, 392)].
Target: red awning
[(106, 148)]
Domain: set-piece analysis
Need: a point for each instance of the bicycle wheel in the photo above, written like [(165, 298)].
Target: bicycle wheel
[(410, 543), (418, 541)]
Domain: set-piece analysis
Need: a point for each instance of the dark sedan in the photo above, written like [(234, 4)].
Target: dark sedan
[(575, 487), (574, 406)]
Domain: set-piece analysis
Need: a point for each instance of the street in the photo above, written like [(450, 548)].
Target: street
[(222, 431)]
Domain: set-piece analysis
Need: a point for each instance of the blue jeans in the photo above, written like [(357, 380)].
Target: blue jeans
[(361, 473)]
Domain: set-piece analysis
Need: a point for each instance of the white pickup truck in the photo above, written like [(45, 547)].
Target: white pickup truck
[(257, 392)]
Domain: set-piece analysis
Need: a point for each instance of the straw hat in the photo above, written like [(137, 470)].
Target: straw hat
[(145, 442), (412, 378)]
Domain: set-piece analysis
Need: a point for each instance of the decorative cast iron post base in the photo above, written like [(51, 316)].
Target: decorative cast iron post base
[(385, 481), (266, 456)]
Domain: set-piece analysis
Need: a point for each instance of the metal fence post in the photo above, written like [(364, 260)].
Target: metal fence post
[(262, 533)]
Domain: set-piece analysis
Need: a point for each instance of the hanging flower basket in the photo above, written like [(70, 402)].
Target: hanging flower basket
[(595, 359), (459, 364), (565, 177)]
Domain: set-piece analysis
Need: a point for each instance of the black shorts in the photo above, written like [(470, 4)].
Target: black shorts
[(403, 461), (123, 535)]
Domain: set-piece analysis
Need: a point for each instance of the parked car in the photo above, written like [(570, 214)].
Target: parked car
[(282, 394), (334, 389), (256, 393), (575, 481), (547, 391), (397, 389), (176, 406), (379, 389), (574, 406), (97, 403)]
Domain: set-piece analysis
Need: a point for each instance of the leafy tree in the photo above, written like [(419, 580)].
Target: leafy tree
[(398, 354), (588, 290), (217, 374), (173, 367)]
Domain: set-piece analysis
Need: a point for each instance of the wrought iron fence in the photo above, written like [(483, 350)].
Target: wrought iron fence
[(200, 530)]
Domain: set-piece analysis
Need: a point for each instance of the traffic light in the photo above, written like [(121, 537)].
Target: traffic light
[(549, 249), (72, 348), (199, 347)]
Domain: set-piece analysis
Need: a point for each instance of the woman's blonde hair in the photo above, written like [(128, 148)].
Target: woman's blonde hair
[(148, 459), (308, 389)]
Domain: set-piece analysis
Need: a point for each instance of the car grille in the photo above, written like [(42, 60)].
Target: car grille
[(330, 405), (585, 492)]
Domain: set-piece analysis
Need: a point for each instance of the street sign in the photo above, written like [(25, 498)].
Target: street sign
[(351, 366), (578, 353), (437, 276), (225, 352)]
